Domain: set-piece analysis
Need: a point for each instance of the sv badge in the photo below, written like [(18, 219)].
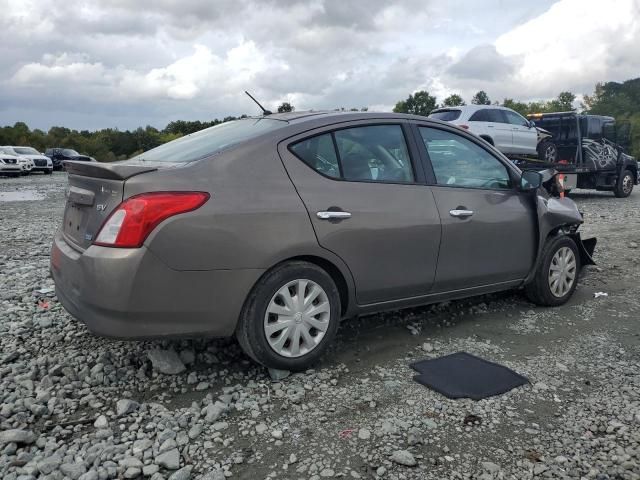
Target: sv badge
[(101, 207)]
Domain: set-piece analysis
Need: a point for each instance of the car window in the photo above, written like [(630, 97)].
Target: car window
[(480, 116), (319, 153), (496, 116), (446, 115), (210, 141), (458, 162), (514, 119), (374, 153), (595, 129)]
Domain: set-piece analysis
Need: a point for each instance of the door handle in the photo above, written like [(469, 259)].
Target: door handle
[(328, 215), (460, 213)]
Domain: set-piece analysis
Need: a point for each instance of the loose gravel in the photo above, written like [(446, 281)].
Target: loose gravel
[(76, 406)]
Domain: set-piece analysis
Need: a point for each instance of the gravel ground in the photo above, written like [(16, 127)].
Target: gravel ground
[(76, 406)]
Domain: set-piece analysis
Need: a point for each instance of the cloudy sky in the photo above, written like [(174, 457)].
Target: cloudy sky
[(125, 63)]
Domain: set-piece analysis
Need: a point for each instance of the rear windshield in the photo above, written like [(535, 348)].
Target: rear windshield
[(446, 115), (210, 140)]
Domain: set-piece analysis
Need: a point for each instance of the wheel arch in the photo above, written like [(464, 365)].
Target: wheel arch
[(633, 169), (487, 139), (340, 277)]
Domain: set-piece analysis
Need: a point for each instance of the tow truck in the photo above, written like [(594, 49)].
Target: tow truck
[(591, 152)]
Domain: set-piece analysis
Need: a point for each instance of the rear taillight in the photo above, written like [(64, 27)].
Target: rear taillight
[(134, 219), (466, 127)]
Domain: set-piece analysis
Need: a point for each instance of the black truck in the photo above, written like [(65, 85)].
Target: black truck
[(590, 151)]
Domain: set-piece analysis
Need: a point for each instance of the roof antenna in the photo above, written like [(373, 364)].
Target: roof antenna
[(264, 110)]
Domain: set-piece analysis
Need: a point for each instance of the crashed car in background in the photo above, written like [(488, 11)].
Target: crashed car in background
[(590, 152), (503, 128), (275, 228)]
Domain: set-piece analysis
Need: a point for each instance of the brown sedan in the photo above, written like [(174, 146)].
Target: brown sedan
[(275, 228)]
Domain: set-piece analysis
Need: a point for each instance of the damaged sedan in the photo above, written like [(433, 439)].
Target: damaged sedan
[(275, 228)]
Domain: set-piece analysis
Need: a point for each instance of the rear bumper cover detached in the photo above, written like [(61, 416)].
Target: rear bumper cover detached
[(131, 293)]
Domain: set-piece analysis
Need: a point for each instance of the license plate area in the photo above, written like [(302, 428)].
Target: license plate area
[(74, 223)]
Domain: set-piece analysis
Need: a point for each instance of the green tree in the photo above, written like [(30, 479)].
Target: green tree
[(453, 100), (563, 103), (481, 98), (419, 103), (286, 107), (520, 107)]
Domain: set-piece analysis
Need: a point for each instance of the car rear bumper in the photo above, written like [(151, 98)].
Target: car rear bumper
[(130, 293)]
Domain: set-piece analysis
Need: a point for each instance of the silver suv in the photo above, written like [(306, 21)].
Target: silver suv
[(502, 127)]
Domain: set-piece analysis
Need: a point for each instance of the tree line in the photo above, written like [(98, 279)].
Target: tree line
[(620, 100), (422, 103)]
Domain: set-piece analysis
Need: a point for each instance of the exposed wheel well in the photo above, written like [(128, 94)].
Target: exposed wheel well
[(487, 139)]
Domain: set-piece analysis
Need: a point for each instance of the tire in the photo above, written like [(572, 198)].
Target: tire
[(624, 185), (267, 295), (487, 139), (539, 290), (547, 151)]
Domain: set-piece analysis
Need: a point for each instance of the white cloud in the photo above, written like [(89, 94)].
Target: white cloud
[(132, 62), (572, 45)]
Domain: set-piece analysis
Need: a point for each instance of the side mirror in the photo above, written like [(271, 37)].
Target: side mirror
[(530, 180), (532, 124)]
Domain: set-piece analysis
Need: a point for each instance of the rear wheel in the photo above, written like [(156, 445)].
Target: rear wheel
[(290, 317), (556, 278), (547, 151), (624, 185)]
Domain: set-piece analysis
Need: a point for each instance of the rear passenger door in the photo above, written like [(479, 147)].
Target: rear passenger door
[(488, 226), (368, 203)]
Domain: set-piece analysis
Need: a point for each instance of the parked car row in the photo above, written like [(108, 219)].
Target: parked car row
[(15, 161)]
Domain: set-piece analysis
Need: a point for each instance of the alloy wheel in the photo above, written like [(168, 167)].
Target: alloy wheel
[(550, 153), (627, 184), (297, 318), (562, 272)]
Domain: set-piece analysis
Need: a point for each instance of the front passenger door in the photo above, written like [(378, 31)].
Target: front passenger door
[(525, 137), (488, 227)]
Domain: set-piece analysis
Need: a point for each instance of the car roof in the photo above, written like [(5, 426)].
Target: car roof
[(471, 108), (329, 116)]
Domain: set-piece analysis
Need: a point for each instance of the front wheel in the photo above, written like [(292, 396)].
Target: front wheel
[(290, 317), (624, 185), (547, 151), (556, 277)]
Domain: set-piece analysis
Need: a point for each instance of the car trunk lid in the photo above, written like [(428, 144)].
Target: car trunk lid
[(95, 190)]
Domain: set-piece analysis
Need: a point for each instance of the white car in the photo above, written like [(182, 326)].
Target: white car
[(502, 127), (9, 165), (25, 164), (40, 162)]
